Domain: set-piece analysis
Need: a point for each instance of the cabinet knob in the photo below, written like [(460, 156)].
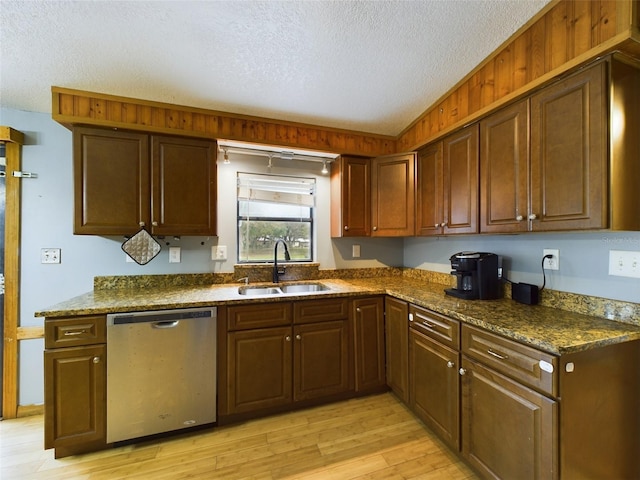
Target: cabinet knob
[(519, 218), (358, 310), (443, 224), (96, 359), (155, 224), (298, 337), (141, 224), (462, 371), (375, 229), (532, 216), (288, 338), (346, 228), (450, 364), (437, 225)]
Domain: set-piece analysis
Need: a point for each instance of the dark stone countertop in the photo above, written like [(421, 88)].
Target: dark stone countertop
[(549, 329)]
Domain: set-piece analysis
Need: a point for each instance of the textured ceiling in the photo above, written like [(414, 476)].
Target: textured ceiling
[(372, 66)]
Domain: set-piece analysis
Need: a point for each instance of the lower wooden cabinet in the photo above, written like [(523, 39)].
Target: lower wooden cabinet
[(320, 360), (513, 411), (369, 351), (75, 385), (259, 363), (434, 386), (397, 345), (508, 430), (279, 354)]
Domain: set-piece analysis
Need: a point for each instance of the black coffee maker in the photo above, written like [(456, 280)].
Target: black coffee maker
[(476, 276)]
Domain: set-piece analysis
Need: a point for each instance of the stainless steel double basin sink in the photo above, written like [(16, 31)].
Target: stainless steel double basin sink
[(298, 288)]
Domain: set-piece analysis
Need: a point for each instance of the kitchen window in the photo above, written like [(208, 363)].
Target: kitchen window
[(272, 207)]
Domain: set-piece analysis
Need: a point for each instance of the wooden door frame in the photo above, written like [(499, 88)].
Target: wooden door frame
[(13, 141)]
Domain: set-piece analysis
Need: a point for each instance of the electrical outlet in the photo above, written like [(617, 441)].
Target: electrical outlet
[(624, 264), (219, 252), (552, 263), (174, 254), (50, 255)]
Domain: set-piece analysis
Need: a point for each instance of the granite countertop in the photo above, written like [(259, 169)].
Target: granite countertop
[(551, 330)]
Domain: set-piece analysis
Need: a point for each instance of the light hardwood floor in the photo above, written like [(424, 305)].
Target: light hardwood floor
[(368, 438)]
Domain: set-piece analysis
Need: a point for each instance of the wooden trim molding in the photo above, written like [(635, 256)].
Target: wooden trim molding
[(563, 36), (30, 333), (76, 107), (13, 140)]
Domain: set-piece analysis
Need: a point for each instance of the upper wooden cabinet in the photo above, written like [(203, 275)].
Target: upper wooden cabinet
[(125, 180), (429, 193), (351, 197), (566, 157), (569, 153), (504, 168), (448, 185), (392, 195)]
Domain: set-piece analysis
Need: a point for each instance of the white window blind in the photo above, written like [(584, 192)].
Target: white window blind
[(276, 189)]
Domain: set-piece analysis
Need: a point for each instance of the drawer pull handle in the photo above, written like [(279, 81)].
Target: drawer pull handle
[(75, 332), (497, 355), (428, 325)]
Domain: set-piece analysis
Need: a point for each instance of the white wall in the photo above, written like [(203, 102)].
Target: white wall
[(584, 259), (47, 221)]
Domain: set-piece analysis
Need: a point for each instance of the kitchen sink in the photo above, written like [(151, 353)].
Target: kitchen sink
[(257, 290), (251, 291), (303, 288)]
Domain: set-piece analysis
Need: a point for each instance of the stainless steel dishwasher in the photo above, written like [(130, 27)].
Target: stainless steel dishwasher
[(161, 371)]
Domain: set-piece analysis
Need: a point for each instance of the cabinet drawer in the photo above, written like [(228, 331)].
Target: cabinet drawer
[(525, 364), (443, 329), (75, 331), (245, 317), (308, 311)]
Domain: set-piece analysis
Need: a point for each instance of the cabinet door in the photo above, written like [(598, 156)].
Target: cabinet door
[(351, 197), (111, 181), (460, 160), (569, 153), (369, 343), (504, 168), (434, 390), (184, 186), (429, 195), (397, 346), (75, 396), (321, 360), (258, 369), (392, 200), (508, 430)]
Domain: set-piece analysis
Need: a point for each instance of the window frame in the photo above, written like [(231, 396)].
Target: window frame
[(311, 220)]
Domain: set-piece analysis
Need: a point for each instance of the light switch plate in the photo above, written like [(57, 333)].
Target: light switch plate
[(219, 252), (174, 254), (624, 264), (355, 251)]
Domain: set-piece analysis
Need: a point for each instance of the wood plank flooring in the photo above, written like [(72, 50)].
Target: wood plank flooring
[(368, 438)]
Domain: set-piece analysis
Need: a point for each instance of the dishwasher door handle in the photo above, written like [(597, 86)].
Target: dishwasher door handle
[(169, 324)]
